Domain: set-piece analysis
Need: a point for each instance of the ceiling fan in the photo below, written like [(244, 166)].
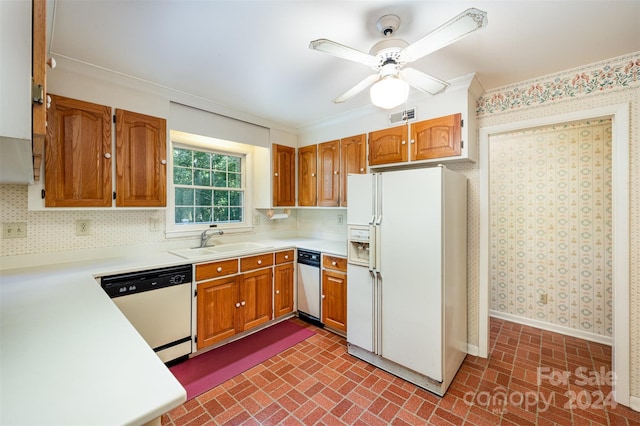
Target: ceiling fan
[(389, 56)]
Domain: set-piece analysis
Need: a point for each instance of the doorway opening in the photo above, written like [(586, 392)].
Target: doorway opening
[(619, 116)]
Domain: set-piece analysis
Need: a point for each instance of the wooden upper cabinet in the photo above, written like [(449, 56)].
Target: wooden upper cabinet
[(329, 174), (353, 160), (38, 69), (284, 168), (436, 138), (307, 175), (78, 154), (141, 163), (388, 146)]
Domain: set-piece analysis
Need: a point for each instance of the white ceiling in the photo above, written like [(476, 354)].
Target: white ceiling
[(253, 56)]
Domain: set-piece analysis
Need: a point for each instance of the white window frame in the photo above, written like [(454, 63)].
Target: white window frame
[(218, 146)]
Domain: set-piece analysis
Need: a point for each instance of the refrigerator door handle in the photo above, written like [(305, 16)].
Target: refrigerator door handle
[(373, 219), (372, 248), (378, 253)]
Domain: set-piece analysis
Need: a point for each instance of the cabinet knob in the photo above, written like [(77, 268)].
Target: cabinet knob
[(286, 256), (313, 175), (163, 161), (413, 141), (259, 262), (243, 303), (334, 263), (238, 305), (362, 169), (404, 142), (275, 174), (219, 269), (277, 291), (323, 296), (107, 155)]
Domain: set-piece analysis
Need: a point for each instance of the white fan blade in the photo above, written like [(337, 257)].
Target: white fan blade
[(422, 81), (461, 26), (341, 51), (357, 88)]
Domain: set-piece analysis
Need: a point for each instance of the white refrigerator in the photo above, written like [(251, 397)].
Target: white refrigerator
[(407, 273)]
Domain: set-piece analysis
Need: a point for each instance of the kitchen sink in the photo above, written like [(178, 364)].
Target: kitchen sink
[(233, 248), (226, 248)]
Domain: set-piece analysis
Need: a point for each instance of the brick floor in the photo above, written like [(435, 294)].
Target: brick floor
[(532, 377)]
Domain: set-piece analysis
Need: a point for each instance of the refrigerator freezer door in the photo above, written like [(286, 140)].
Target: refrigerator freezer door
[(360, 307), (411, 269), (360, 193)]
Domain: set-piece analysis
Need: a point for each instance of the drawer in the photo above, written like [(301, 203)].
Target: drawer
[(255, 262), (216, 269), (284, 256), (334, 262)]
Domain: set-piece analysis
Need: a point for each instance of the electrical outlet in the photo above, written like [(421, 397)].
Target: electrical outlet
[(256, 219), (340, 219), (14, 230), (83, 227), (543, 298)]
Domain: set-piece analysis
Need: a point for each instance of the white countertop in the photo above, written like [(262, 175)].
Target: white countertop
[(68, 355)]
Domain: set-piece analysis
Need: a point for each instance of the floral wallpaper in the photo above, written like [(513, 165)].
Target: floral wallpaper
[(550, 204), (624, 72)]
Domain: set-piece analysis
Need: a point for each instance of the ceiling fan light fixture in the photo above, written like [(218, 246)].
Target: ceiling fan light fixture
[(389, 92)]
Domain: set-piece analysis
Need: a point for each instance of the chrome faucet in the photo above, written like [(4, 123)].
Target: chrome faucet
[(204, 237)]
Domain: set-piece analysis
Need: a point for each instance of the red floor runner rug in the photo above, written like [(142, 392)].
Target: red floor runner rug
[(203, 372)]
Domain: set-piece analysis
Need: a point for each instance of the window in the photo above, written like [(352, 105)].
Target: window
[(208, 187)]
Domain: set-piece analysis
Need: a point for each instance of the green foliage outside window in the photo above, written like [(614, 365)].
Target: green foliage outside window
[(208, 187)]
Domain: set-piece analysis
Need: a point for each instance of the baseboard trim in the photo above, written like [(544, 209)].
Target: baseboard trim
[(592, 337), (473, 349), (634, 403)]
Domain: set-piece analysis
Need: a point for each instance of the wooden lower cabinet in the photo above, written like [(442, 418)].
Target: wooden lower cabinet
[(283, 289), (334, 292), (217, 311), (255, 299), (236, 295)]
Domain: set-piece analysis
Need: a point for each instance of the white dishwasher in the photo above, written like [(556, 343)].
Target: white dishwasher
[(158, 304), (308, 287)]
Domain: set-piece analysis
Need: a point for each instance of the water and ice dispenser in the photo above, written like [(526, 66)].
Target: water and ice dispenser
[(359, 244)]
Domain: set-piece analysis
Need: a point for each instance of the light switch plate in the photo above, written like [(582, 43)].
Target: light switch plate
[(14, 230)]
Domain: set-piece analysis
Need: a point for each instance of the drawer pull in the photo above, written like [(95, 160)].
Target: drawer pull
[(219, 269), (259, 262), (286, 256), (334, 263)]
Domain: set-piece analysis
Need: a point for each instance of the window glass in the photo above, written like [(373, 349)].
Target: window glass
[(208, 187)]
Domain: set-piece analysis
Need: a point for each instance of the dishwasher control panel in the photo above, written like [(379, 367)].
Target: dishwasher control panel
[(138, 282)]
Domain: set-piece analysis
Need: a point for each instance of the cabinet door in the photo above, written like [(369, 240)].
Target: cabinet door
[(141, 158), (283, 289), (307, 176), (39, 59), (255, 298), (284, 167), (436, 138), (77, 154), (353, 159), (329, 174), (388, 146), (217, 310), (334, 299)]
